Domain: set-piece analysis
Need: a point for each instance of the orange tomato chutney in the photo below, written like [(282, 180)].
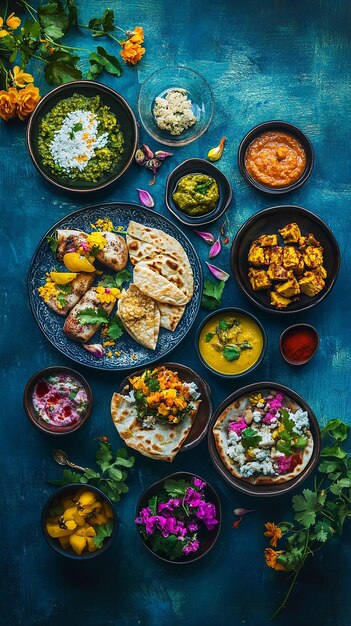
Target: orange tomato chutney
[(275, 159)]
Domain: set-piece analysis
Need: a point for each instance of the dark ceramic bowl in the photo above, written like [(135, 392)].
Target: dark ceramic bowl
[(66, 492), (207, 538), (270, 221), (200, 425), (32, 413), (291, 331), (289, 129), (198, 166), (265, 490), (231, 311), (118, 106)]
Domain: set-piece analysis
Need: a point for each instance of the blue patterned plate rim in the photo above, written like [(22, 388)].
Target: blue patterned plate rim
[(51, 324)]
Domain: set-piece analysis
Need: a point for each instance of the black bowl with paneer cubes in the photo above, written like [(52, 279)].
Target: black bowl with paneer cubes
[(285, 259)]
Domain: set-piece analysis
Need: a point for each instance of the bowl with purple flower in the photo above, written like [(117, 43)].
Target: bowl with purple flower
[(178, 518)]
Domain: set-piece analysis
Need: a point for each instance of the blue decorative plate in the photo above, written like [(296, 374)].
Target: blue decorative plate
[(132, 354)]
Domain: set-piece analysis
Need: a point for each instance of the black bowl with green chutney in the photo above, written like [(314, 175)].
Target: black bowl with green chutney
[(198, 215), (95, 139)]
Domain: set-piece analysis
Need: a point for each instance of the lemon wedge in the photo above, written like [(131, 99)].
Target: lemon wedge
[(62, 278), (77, 263)]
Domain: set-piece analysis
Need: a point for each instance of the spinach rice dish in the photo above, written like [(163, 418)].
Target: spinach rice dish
[(80, 138)]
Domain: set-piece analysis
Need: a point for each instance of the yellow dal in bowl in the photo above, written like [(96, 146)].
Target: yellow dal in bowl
[(215, 359)]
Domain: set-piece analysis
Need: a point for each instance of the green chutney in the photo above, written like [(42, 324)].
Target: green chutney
[(196, 194)]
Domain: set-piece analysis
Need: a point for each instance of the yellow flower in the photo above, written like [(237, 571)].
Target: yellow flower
[(13, 22), (3, 32), (104, 224), (96, 240), (271, 558), (107, 294), (274, 532), (28, 99), (20, 78), (131, 52), (49, 291), (8, 103), (137, 35)]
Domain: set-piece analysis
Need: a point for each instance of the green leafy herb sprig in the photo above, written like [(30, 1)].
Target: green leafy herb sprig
[(320, 513), (40, 37), (112, 477), (212, 294)]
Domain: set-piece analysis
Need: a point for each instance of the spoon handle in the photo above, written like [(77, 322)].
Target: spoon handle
[(74, 466)]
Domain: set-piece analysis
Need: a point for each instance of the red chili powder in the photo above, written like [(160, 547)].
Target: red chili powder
[(299, 345)]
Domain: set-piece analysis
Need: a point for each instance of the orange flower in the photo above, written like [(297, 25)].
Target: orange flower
[(137, 35), (20, 78), (13, 22), (131, 52), (8, 102), (28, 99), (271, 558), (274, 532)]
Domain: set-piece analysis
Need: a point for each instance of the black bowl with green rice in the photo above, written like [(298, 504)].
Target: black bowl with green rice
[(82, 136)]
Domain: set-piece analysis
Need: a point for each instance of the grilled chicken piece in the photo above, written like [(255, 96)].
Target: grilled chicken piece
[(76, 331), (79, 286), (69, 241), (115, 253)]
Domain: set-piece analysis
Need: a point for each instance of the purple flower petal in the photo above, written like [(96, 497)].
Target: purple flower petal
[(161, 155), (208, 237), (146, 198), (96, 349), (215, 249), (217, 272), (148, 152)]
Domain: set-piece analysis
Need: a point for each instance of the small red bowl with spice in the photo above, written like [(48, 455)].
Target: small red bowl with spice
[(299, 343), (58, 400)]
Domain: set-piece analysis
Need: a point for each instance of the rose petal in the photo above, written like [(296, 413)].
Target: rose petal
[(217, 272), (161, 155), (215, 249), (208, 237), (146, 198)]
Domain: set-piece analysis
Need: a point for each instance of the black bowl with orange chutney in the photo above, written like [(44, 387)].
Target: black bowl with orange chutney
[(276, 157)]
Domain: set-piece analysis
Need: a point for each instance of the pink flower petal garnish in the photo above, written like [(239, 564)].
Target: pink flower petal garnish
[(96, 349), (240, 512), (215, 249), (208, 237), (217, 272), (146, 198)]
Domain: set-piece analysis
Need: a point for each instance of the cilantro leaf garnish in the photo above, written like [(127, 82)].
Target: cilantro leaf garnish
[(61, 299), (209, 336), (250, 438), (78, 126), (176, 488), (212, 294), (153, 384), (115, 328), (245, 345), (102, 532), (117, 280), (52, 242), (223, 325), (92, 316), (306, 506), (337, 429), (231, 353)]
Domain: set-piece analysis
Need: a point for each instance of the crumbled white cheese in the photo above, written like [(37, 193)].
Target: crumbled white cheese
[(235, 450), (265, 467), (300, 418), (130, 397), (259, 454), (267, 440), (260, 405), (74, 144), (193, 390), (257, 416), (173, 112)]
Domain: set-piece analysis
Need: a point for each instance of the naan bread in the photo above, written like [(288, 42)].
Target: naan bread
[(161, 443), (79, 286), (156, 286), (146, 244), (140, 316), (220, 432), (170, 315), (73, 328)]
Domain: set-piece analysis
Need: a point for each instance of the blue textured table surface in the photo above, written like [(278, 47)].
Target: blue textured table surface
[(264, 60)]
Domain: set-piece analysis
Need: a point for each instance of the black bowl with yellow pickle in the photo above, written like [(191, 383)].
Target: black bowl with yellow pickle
[(310, 281), (231, 342), (191, 168), (78, 521)]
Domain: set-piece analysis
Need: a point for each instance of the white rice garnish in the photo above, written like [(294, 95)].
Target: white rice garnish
[(72, 149)]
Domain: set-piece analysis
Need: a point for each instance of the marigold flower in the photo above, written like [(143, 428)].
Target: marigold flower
[(271, 558), (28, 99), (8, 103), (3, 32), (13, 22), (96, 241), (131, 52), (107, 294), (137, 35), (274, 532), (20, 78)]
